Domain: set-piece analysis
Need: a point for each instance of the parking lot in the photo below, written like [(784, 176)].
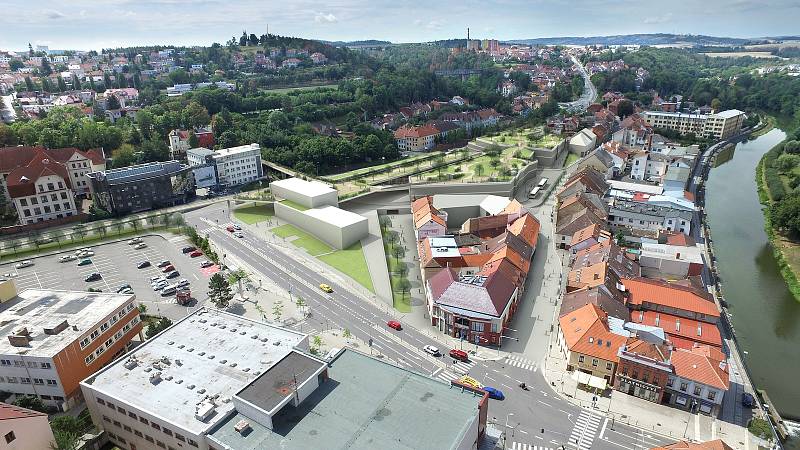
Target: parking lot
[(116, 262)]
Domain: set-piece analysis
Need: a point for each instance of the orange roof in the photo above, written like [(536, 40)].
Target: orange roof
[(513, 207), (415, 132), (586, 332), (581, 235), (687, 331), (702, 364), (527, 228), (588, 277), (718, 444), (420, 202), (15, 412), (642, 290), (514, 257)]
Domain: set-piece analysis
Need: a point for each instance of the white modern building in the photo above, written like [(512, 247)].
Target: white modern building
[(721, 125), (233, 166), (313, 206), (178, 386)]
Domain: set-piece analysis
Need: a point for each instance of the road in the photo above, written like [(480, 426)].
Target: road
[(589, 91), (537, 416)]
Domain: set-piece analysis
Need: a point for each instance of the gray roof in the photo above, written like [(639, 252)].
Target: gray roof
[(139, 172), (278, 382), (365, 404), (603, 156), (625, 208), (677, 174)]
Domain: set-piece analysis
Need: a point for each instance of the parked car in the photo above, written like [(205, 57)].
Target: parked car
[(160, 285), (143, 264), (189, 249), (164, 263), (156, 279), (173, 274), (135, 241), (394, 324), (206, 263), (93, 277), (168, 290), (140, 246), (93, 289), (67, 258), (431, 350), (237, 227), (123, 287), (84, 253), (196, 253), (325, 288), (183, 283), (460, 355), (238, 234), (494, 393), (23, 264), (230, 228), (167, 269), (748, 401), (84, 262), (126, 291)]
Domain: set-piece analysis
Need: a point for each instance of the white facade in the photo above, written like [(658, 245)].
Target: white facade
[(336, 227), (234, 166), (53, 199), (78, 167), (310, 194), (25, 431), (720, 125)]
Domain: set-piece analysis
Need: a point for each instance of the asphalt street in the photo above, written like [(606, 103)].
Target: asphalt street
[(589, 91), (534, 417)]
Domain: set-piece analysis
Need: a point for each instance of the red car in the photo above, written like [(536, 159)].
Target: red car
[(168, 268), (394, 324), (230, 228), (460, 355), (196, 253)]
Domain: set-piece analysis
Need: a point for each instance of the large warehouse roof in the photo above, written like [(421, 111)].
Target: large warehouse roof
[(335, 216), (307, 188)]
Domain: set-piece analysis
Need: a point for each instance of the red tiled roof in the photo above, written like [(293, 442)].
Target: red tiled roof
[(13, 157), (642, 290), (702, 364), (415, 132), (21, 181), (718, 444), (15, 412), (586, 332), (526, 228), (682, 332), (490, 298)]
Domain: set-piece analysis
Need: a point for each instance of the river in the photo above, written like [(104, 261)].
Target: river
[(766, 316)]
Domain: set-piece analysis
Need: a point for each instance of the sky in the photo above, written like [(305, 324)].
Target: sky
[(96, 24)]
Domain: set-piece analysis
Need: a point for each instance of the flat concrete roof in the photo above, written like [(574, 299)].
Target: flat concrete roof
[(444, 201), (236, 150), (692, 254), (37, 309), (365, 404), (307, 188), (494, 204), (207, 353), (335, 216)]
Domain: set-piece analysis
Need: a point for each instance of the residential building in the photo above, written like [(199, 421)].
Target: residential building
[(424, 137), (607, 299), (656, 295), (179, 140), (24, 429), (41, 190), (590, 339), (428, 221), (318, 58), (588, 180), (583, 142), (568, 225), (721, 125), (142, 187), (598, 159), (642, 216), (680, 331), (588, 237), (700, 379), (233, 166), (717, 444), (54, 339), (180, 89), (337, 408), (174, 388), (671, 261), (644, 369), (290, 63)]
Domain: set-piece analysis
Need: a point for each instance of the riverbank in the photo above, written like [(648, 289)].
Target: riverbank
[(785, 251)]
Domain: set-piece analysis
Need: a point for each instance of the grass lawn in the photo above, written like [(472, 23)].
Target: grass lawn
[(401, 301), (571, 158), (379, 167), (352, 263), (252, 214), (304, 240), (294, 205)]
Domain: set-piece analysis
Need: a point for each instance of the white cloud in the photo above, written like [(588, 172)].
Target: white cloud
[(434, 25), (658, 19), (418, 22), (325, 18), (53, 14)]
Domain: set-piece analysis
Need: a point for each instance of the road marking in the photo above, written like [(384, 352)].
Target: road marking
[(603, 430), (545, 404)]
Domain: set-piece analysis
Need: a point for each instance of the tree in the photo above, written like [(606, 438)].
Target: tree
[(79, 231), (404, 286), (29, 84), (402, 269), (193, 141), (112, 102), (346, 333), (792, 147), (46, 69), (30, 402), (785, 214), (219, 291), (15, 65), (65, 440), (786, 162), (398, 252), (479, 170), (157, 327), (716, 105), (625, 108), (277, 310), (385, 223), (62, 85), (195, 115), (392, 237), (316, 344), (142, 308)]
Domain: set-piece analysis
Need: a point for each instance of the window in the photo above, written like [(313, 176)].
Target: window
[(117, 424), (156, 426), (50, 186), (53, 197), (684, 385), (52, 382), (144, 421), (697, 390), (121, 409), (63, 196), (161, 444), (101, 401), (23, 202), (148, 438), (10, 437), (138, 433), (46, 365), (180, 437), (635, 374), (111, 405), (5, 362), (127, 428), (38, 381), (132, 415), (594, 362), (25, 380), (711, 395), (609, 366), (580, 358), (11, 379), (192, 443)]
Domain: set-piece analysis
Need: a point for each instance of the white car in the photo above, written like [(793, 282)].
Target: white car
[(238, 234), (23, 264), (140, 246), (135, 241), (237, 227), (431, 350), (67, 258), (183, 283), (156, 278), (159, 286)]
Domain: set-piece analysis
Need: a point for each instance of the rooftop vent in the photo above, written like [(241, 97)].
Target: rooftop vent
[(203, 321), (253, 336), (232, 365), (233, 330), (155, 377), (204, 410), (223, 361), (148, 369), (19, 340), (223, 326), (201, 391), (178, 381), (276, 343), (190, 386), (246, 369), (202, 353), (170, 342), (168, 378), (190, 349), (210, 356), (57, 328), (131, 363), (181, 346), (242, 426), (243, 333)]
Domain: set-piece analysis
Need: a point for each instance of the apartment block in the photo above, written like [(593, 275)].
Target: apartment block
[(721, 125), (233, 166)]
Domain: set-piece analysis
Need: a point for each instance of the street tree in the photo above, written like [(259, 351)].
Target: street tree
[(277, 310), (118, 225), (79, 231), (404, 286), (402, 269), (346, 334), (219, 291), (316, 343), (398, 252), (157, 327), (479, 170)]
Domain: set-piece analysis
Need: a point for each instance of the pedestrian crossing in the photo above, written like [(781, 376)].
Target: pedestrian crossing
[(454, 371), (522, 363), (523, 446), (584, 431), (461, 367)]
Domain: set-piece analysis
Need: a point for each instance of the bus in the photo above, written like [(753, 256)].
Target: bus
[(534, 192), (542, 183)]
